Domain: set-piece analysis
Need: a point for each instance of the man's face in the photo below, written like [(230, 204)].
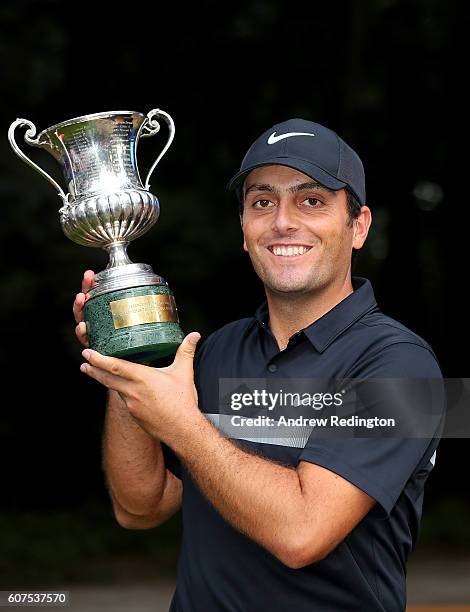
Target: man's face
[(296, 232)]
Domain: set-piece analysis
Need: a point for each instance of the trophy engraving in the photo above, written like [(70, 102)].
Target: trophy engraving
[(131, 312)]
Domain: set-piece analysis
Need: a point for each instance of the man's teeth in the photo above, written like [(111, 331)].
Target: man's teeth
[(292, 250)]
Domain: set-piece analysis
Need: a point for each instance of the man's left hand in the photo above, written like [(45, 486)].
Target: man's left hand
[(160, 399)]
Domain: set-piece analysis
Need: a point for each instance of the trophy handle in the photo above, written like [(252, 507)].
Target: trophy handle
[(29, 138), (151, 127)]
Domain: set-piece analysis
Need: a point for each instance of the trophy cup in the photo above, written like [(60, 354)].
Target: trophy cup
[(131, 311)]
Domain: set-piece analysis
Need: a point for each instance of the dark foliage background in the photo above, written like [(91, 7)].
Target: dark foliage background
[(385, 74)]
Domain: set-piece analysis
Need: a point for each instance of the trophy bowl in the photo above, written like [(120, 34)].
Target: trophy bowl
[(131, 311)]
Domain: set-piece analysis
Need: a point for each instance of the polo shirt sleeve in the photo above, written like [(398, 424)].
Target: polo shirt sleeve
[(381, 466), (172, 462)]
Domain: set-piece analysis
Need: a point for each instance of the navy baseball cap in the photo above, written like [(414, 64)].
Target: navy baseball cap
[(310, 148)]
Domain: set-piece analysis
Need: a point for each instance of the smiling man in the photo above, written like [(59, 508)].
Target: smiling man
[(300, 237), (301, 522)]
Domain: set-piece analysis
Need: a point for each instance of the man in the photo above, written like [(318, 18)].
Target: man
[(278, 524)]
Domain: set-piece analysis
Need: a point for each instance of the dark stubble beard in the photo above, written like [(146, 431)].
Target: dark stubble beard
[(316, 280)]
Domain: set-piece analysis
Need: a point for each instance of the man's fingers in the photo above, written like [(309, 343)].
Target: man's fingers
[(81, 333), (78, 307), (88, 281), (112, 365), (105, 378), (187, 348)]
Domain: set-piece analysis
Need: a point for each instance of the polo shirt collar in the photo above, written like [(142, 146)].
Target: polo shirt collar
[(327, 328)]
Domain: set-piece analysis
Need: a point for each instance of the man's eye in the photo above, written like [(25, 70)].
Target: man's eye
[(262, 203), (312, 201)]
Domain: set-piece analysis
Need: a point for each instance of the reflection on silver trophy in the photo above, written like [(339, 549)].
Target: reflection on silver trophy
[(131, 312)]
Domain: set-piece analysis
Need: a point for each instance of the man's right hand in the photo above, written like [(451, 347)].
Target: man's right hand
[(80, 299)]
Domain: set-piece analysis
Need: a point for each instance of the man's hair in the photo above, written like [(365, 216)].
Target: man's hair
[(352, 203)]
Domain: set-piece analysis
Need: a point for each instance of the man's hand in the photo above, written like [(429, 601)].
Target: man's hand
[(162, 400), (80, 330)]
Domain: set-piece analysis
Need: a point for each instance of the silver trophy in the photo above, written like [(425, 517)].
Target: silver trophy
[(131, 312)]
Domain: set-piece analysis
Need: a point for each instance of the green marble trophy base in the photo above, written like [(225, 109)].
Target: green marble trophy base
[(137, 343)]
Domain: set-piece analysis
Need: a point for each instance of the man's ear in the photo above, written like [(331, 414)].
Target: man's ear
[(361, 229)]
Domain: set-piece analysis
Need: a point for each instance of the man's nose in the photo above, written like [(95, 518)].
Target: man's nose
[(285, 218)]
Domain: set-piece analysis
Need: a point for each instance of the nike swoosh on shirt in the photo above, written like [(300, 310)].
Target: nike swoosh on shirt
[(273, 138)]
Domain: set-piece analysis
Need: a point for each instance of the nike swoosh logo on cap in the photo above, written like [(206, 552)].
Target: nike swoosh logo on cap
[(273, 138)]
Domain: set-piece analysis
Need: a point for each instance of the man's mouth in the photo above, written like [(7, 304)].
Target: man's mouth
[(290, 250)]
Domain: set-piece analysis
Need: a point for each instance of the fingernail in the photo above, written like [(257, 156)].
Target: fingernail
[(86, 353), (193, 339), (83, 367)]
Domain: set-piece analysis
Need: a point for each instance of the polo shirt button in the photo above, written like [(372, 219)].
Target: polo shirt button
[(272, 367)]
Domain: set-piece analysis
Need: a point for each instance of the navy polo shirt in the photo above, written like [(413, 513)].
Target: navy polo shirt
[(219, 568)]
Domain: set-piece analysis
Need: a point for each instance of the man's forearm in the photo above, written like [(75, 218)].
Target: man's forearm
[(261, 498), (132, 460)]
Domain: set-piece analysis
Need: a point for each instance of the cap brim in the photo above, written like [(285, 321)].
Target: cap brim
[(311, 170)]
